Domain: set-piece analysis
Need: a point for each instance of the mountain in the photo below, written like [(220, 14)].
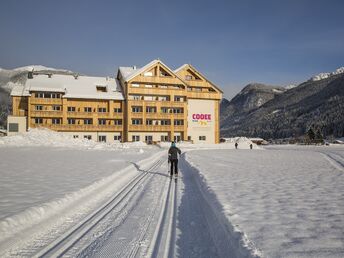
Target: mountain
[(316, 102), (15, 77), (249, 98)]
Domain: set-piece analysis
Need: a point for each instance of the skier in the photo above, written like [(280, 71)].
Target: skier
[(251, 146), (173, 159), (236, 145)]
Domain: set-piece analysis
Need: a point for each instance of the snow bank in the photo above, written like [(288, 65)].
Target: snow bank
[(46, 137)]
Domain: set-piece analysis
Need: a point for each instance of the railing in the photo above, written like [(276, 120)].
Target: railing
[(165, 115), (52, 113), (150, 128), (74, 127), (45, 101)]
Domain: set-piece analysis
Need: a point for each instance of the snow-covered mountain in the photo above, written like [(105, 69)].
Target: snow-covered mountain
[(322, 76), (316, 102), (18, 77)]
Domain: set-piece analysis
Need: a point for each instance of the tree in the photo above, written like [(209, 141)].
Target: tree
[(319, 137), (311, 134)]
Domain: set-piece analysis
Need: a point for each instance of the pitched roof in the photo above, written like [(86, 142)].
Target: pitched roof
[(129, 73)]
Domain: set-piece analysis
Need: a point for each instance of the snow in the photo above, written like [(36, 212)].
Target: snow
[(322, 76), (75, 86), (281, 201), (51, 185), (285, 201), (46, 137)]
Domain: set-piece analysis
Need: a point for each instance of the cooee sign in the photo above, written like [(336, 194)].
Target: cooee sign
[(201, 117)]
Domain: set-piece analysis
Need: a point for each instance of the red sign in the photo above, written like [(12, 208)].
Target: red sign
[(201, 117)]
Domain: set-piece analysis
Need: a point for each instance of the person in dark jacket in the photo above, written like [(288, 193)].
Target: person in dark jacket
[(173, 158)]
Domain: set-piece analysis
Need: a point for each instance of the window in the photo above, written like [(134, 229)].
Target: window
[(87, 109), (102, 138), (189, 89), (135, 138), (102, 110), (177, 138), (165, 122), (101, 88), (117, 138), (163, 86), (151, 109), (178, 110), (164, 138), (188, 77), (39, 95), (101, 121), (136, 121), (198, 89), (71, 109), (211, 90), (88, 137), (13, 127), (148, 74), (151, 98), (117, 110), (137, 109), (55, 95), (56, 108), (189, 138), (118, 121), (71, 121), (149, 122), (135, 97), (164, 110), (88, 121), (149, 139), (135, 85), (38, 108), (178, 98), (202, 138), (148, 86), (38, 120), (75, 136), (178, 122), (56, 121)]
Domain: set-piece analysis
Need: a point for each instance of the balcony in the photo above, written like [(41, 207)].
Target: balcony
[(52, 113), (165, 115), (150, 128), (86, 128), (46, 101)]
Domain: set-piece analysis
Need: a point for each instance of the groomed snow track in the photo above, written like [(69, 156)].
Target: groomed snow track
[(64, 243)]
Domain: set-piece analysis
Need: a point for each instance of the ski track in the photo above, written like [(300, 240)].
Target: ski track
[(66, 242)]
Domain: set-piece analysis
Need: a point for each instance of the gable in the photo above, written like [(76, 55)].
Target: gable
[(194, 78)]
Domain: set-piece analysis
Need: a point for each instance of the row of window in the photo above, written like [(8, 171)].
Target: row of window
[(88, 121), (73, 109), (48, 95), (177, 87), (157, 98), (156, 122), (101, 138), (139, 109)]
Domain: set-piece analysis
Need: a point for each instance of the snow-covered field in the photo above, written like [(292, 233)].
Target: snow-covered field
[(287, 201), (80, 198)]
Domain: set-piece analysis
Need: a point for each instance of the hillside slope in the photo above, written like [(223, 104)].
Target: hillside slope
[(317, 103)]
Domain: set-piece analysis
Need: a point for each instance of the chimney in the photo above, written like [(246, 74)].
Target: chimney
[(134, 67)]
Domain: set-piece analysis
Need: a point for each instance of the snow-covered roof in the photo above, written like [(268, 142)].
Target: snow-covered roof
[(130, 72), (72, 86)]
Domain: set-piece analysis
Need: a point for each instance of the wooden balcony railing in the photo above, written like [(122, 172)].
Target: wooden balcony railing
[(45, 101), (89, 128), (41, 113)]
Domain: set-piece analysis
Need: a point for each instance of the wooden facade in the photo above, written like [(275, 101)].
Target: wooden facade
[(154, 107)]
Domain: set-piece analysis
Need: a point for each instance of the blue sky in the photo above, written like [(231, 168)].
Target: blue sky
[(232, 42)]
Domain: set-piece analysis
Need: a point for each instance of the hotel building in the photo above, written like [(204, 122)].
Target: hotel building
[(151, 104)]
